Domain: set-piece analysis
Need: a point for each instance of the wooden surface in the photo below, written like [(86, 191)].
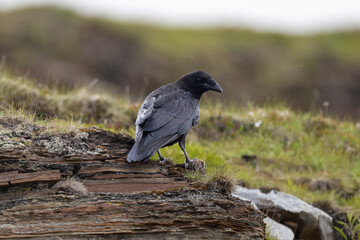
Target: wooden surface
[(127, 201)]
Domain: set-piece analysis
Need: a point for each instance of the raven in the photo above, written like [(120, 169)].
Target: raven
[(168, 113)]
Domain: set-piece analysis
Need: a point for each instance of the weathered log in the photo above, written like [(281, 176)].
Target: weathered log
[(14, 178), (127, 201), (178, 213)]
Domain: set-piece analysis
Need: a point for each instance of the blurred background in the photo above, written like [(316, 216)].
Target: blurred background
[(303, 53)]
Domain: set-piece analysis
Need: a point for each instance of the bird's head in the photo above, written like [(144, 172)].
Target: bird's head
[(199, 82)]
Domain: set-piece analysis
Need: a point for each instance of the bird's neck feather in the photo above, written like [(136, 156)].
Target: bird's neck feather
[(197, 93)]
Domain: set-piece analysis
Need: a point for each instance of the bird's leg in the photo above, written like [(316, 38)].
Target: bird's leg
[(188, 161), (163, 160), (194, 164)]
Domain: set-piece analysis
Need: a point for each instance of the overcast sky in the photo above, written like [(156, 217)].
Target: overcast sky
[(303, 16)]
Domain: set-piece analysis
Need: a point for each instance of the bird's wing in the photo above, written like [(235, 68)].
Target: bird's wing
[(176, 108), (144, 112), (172, 116), (197, 117), (162, 119)]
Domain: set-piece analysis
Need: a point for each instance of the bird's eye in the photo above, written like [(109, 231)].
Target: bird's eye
[(200, 80)]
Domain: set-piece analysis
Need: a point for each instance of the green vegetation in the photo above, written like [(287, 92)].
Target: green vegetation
[(268, 237), (220, 179), (268, 146), (81, 105), (352, 225), (59, 46), (314, 157)]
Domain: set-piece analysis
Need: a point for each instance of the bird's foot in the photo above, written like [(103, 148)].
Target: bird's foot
[(165, 161), (196, 165)]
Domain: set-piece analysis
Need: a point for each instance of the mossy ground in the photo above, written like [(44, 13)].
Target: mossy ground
[(312, 156)]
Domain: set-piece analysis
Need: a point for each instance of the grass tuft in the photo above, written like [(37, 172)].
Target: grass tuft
[(219, 179), (71, 185), (80, 105)]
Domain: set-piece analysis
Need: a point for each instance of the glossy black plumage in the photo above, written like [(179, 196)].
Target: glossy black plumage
[(168, 113)]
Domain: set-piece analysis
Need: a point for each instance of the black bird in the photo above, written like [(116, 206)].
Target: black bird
[(168, 113)]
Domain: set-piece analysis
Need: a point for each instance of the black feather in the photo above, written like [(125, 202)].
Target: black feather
[(168, 113)]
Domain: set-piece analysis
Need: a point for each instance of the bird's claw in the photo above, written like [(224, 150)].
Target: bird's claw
[(165, 161), (188, 163), (195, 165)]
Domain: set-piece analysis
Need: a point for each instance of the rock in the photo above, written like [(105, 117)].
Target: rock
[(306, 221), (277, 230)]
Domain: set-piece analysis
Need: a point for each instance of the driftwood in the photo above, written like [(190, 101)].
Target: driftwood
[(49, 193)]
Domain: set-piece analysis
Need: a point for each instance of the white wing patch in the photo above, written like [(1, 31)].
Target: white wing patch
[(138, 133), (144, 112)]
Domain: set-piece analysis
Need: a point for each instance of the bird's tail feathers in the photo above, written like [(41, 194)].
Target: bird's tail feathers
[(135, 156), (131, 157), (143, 149)]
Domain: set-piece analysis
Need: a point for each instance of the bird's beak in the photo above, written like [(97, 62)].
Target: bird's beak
[(217, 87)]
